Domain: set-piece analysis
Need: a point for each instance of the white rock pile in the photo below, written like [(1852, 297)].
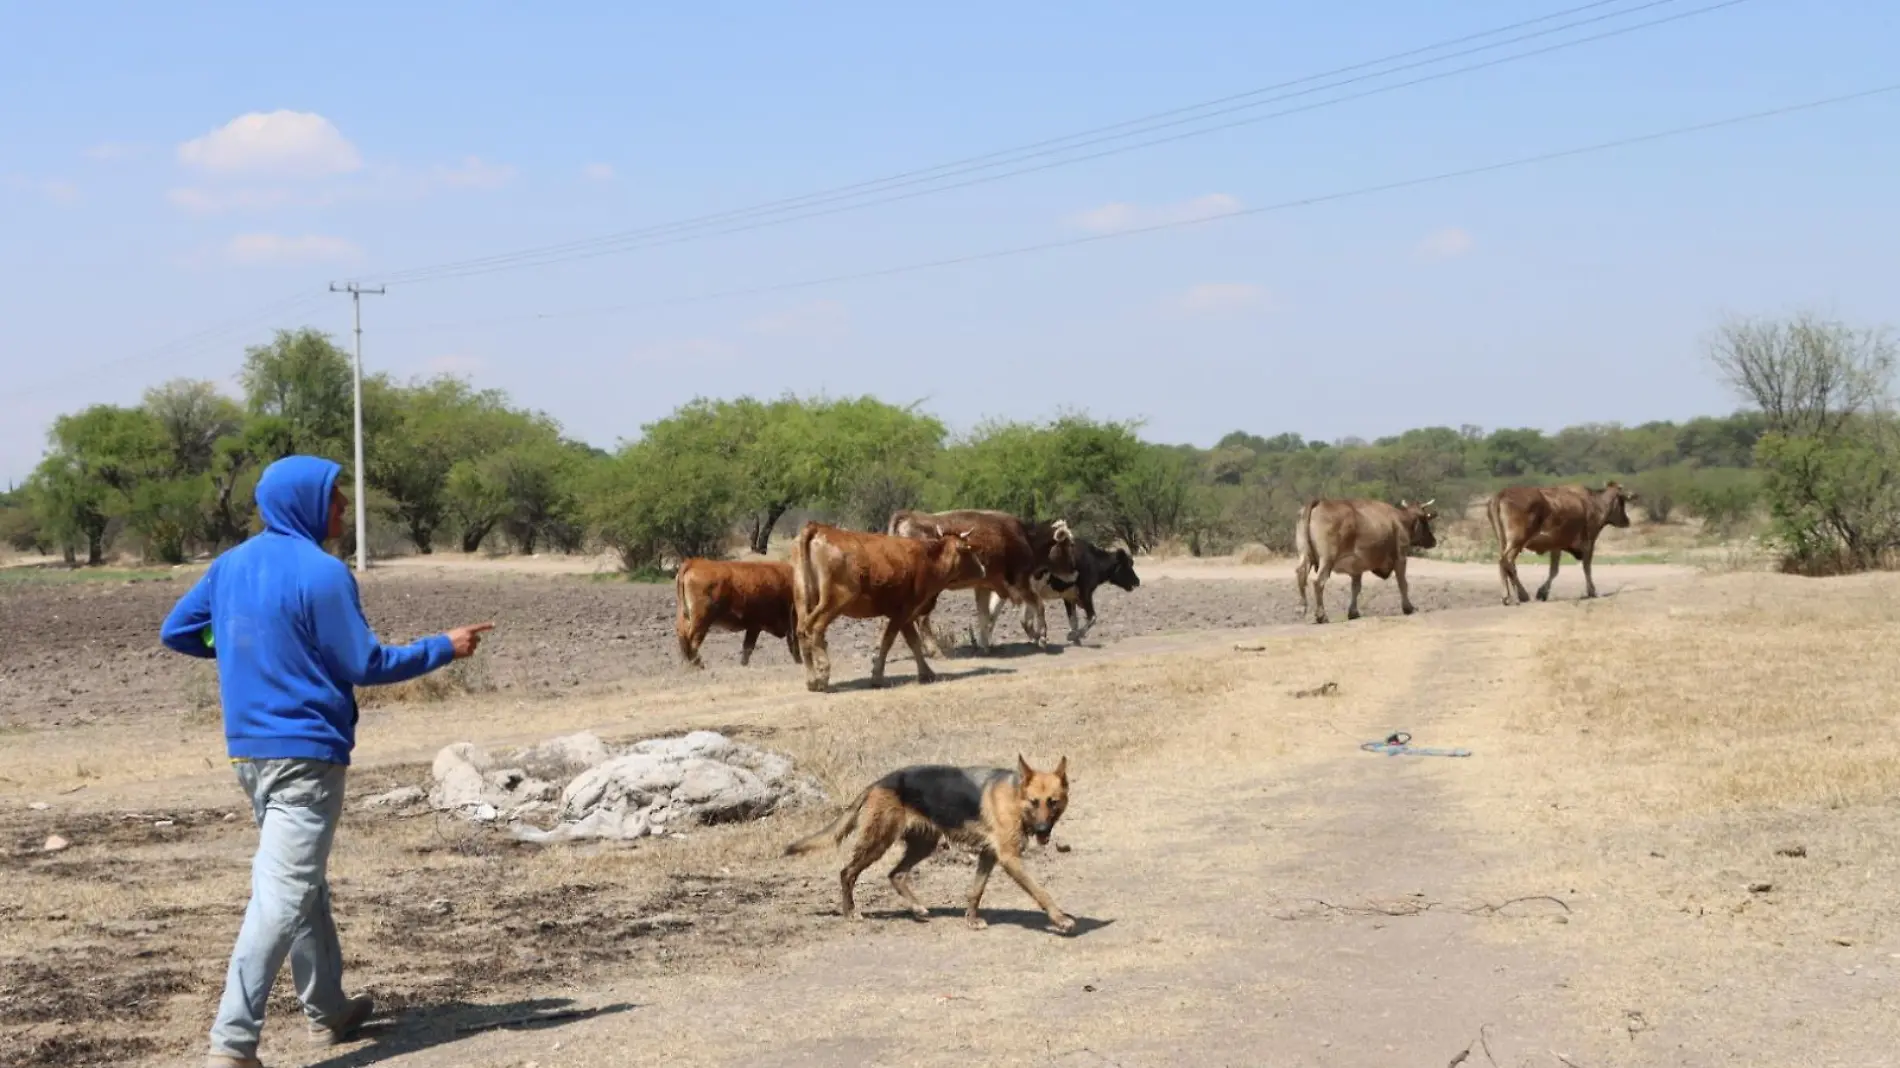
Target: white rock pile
[(574, 787)]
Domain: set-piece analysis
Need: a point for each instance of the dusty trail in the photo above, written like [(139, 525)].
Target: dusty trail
[(1198, 875)]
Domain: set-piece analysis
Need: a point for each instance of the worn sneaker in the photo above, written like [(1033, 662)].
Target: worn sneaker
[(229, 1060), (355, 1014)]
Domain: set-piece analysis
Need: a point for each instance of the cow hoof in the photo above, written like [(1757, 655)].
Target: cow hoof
[(818, 685), (1408, 609), (1543, 595), (1317, 620), (1350, 616), (925, 678)]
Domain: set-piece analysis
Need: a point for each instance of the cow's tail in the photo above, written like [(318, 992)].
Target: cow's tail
[(834, 832), (1495, 514), (683, 621), (804, 583), (1303, 538)]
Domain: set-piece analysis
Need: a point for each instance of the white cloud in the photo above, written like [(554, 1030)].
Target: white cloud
[(1448, 243), (298, 143), (379, 183), (1210, 298), (598, 172), (1125, 216), (820, 320), (281, 248)]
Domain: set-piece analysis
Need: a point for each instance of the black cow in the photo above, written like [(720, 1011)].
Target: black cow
[(1094, 566)]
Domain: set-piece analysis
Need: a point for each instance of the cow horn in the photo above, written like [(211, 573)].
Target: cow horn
[(1429, 503)]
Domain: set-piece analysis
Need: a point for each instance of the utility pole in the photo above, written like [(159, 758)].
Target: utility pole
[(360, 505)]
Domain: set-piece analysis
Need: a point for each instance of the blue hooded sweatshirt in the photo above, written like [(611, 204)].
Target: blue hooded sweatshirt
[(287, 629)]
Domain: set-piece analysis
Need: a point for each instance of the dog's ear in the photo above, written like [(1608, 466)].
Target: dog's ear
[(1062, 770), (1023, 770)]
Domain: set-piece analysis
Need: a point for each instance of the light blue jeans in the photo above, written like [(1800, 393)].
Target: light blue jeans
[(296, 804)]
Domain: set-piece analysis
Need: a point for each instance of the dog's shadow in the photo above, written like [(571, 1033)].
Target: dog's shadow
[(1027, 919)]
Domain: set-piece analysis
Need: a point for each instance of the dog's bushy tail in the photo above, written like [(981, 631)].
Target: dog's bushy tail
[(831, 833)]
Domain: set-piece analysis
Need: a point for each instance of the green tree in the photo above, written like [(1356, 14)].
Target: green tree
[(302, 380), (1158, 498), (430, 428), (1830, 457), (646, 506), (98, 458), (194, 417), (1066, 468), (528, 490)]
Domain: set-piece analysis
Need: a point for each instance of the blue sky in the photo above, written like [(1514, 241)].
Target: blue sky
[(140, 207)]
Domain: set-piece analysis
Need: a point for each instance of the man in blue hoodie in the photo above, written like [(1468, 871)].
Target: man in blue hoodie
[(283, 620)]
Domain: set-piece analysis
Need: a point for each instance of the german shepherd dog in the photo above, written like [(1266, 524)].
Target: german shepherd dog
[(991, 810)]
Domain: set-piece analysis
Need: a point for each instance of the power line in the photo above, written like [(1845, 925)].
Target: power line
[(1285, 205), (959, 164), (774, 213), (178, 346), (682, 230)]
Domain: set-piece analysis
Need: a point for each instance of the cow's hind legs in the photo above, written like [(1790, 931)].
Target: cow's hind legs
[(1507, 573), (892, 628), (986, 620), (924, 673), (1319, 591), (1543, 592)]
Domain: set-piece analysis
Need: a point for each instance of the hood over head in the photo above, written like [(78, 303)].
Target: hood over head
[(293, 496)]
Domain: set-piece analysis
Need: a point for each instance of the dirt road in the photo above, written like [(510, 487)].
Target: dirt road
[(1252, 888)]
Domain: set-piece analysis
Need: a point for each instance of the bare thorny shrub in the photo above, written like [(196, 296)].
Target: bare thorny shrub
[(1831, 457)]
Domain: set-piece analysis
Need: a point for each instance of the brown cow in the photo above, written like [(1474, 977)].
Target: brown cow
[(1016, 555), (1554, 520), (1357, 536), (837, 572), (748, 595)]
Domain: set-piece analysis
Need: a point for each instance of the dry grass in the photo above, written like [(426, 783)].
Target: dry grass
[(1762, 692), (1254, 554), (440, 913), (1709, 774), (463, 678)]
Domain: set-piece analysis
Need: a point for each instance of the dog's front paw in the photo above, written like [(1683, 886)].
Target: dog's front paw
[(1061, 922)]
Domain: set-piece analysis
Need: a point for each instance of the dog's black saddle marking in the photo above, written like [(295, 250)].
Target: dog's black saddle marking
[(946, 796)]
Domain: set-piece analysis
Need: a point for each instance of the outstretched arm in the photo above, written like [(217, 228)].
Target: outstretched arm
[(351, 650), (184, 629)]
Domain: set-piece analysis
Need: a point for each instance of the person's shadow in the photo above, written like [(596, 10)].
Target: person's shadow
[(438, 1025)]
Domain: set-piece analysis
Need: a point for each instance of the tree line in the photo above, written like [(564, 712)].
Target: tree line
[(447, 464)]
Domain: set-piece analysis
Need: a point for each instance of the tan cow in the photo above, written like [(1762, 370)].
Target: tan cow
[(837, 572), (734, 595), (1018, 556), (1356, 536), (1554, 520)]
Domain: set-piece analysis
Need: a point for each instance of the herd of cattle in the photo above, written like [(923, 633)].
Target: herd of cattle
[(898, 575)]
